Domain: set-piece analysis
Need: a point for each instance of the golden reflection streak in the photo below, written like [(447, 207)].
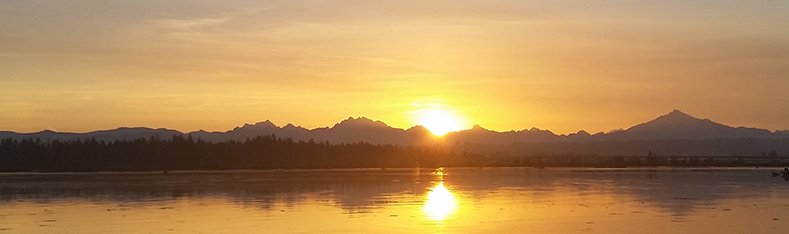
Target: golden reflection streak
[(440, 203)]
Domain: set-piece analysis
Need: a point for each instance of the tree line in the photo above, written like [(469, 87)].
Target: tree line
[(269, 152), (186, 153)]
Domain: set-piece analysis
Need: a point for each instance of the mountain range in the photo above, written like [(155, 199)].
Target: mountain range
[(675, 125)]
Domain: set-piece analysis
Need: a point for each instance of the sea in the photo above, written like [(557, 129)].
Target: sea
[(388, 200)]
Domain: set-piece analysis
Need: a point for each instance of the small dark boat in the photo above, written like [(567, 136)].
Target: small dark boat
[(784, 173)]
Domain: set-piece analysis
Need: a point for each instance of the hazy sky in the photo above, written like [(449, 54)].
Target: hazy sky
[(83, 65)]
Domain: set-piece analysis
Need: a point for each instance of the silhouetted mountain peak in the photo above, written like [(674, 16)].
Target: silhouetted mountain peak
[(677, 119), (537, 130), (257, 126), (477, 127), (418, 128), (135, 130), (351, 122), (266, 123), (678, 125), (678, 115), (581, 133), (293, 128)]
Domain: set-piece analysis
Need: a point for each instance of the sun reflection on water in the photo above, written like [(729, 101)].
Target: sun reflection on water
[(440, 203)]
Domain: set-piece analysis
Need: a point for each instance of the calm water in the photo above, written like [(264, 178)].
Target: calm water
[(508, 200)]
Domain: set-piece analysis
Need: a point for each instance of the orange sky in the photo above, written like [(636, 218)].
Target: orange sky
[(509, 64)]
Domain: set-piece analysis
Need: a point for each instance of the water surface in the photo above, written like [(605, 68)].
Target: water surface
[(457, 200)]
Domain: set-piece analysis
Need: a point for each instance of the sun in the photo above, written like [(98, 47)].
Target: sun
[(438, 121)]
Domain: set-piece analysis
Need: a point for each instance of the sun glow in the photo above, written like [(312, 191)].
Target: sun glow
[(440, 203), (438, 121)]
